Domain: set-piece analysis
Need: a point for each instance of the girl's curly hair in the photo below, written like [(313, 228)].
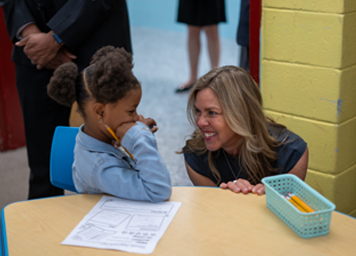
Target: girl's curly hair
[(61, 87), (108, 79)]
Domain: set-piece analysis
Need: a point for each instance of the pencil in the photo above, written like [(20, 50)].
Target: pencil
[(117, 139), (295, 204), (300, 202), (112, 132)]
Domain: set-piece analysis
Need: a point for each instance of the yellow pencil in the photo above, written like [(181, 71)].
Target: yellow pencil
[(117, 139), (112, 132), (295, 204), (300, 202)]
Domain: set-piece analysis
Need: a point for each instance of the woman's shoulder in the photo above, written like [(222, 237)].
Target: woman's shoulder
[(195, 156), (285, 136), (290, 150), (198, 161)]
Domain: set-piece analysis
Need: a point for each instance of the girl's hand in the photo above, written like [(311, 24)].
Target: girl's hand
[(151, 123), (122, 129), (237, 186)]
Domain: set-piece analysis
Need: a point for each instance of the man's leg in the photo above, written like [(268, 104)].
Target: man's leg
[(41, 116), (245, 58)]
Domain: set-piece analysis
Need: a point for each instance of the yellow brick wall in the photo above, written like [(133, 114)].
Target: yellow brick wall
[(308, 83)]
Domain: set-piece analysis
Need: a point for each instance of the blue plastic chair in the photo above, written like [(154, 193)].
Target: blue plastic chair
[(62, 157), (1, 238)]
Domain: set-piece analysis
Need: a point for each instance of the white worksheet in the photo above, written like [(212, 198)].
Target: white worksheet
[(131, 226)]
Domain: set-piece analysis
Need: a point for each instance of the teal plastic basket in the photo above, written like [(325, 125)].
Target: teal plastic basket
[(306, 225)]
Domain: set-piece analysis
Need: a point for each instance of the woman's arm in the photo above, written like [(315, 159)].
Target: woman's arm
[(300, 169), (198, 179)]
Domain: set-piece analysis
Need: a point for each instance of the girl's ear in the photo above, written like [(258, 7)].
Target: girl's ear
[(99, 110)]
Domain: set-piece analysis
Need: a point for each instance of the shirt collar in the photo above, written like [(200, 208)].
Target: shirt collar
[(91, 144)]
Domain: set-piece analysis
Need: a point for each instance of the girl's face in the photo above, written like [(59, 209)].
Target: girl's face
[(123, 111), (211, 122)]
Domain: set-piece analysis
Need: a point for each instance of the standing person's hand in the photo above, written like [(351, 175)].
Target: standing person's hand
[(63, 56), (40, 48)]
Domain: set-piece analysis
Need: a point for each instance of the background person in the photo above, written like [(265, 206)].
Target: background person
[(243, 35), (201, 15), (235, 145), (54, 32)]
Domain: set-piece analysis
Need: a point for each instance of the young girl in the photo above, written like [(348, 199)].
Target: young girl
[(115, 152)]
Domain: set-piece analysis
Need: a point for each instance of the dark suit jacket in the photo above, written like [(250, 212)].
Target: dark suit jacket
[(83, 25)]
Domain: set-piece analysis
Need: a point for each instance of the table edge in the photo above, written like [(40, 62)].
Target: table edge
[(3, 236)]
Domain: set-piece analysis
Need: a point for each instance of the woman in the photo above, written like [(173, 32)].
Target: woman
[(201, 15), (235, 145)]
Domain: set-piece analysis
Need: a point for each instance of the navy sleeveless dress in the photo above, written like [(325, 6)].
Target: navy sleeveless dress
[(201, 12)]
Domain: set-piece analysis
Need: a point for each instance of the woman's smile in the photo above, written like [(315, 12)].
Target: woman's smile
[(209, 135)]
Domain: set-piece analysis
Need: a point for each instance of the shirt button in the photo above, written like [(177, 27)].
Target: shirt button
[(39, 6)]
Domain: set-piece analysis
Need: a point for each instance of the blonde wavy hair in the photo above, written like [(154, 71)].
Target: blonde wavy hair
[(241, 103)]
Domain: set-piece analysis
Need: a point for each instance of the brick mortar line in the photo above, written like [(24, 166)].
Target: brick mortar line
[(333, 175), (304, 10), (318, 120), (304, 64)]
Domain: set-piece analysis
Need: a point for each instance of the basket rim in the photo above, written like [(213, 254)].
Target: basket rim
[(303, 183)]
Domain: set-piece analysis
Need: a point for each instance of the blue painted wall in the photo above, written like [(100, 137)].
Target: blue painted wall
[(162, 14)]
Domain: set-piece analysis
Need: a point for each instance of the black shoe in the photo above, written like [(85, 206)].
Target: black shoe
[(187, 88)]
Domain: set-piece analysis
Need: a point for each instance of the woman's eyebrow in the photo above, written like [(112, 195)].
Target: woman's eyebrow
[(213, 108), (209, 108)]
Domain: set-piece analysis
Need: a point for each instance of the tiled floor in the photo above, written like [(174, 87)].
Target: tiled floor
[(161, 64)]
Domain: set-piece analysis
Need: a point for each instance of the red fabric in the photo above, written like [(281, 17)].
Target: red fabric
[(255, 25), (12, 133)]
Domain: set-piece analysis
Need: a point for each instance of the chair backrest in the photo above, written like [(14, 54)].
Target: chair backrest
[(62, 157), (2, 248)]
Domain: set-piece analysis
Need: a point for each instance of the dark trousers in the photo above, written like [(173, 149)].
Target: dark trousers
[(245, 58), (41, 116)]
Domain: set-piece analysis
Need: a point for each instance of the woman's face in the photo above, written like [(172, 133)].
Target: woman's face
[(211, 122)]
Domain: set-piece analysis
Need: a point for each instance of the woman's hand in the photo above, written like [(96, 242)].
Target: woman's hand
[(244, 186), (238, 186), (259, 189)]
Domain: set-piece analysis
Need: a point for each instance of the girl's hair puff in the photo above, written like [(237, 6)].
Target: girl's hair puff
[(62, 84), (108, 79)]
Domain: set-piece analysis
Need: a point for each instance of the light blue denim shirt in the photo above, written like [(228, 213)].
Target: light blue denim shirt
[(101, 168)]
